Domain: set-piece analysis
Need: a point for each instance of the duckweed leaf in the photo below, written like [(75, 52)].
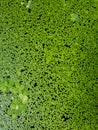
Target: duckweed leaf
[(75, 17), (23, 98), (4, 86), (29, 5), (19, 87), (23, 107)]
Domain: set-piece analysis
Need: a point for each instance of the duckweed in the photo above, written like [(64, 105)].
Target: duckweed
[(48, 65), (75, 17), (23, 98), (19, 100), (16, 108), (29, 5)]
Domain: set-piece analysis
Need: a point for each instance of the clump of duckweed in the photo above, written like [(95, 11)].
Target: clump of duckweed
[(20, 98), (16, 108)]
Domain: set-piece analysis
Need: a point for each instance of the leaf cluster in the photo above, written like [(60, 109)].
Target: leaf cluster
[(20, 99)]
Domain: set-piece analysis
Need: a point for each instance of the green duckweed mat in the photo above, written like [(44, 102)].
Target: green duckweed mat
[(48, 65)]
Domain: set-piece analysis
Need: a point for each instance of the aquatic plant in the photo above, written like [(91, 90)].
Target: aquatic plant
[(29, 5), (16, 108), (23, 98), (75, 17), (19, 99)]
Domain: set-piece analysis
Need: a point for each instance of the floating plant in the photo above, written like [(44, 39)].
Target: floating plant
[(29, 6), (23, 98), (20, 99), (75, 17), (16, 108)]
